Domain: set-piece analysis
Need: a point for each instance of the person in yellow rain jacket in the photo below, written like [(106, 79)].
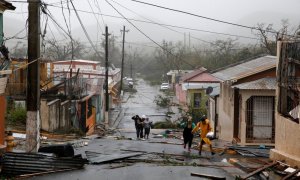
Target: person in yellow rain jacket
[(205, 127)]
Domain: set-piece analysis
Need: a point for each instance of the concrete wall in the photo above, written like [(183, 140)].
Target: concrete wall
[(44, 112), (225, 125), (211, 112), (65, 122), (287, 140), (245, 95), (180, 94), (54, 115), (50, 115)]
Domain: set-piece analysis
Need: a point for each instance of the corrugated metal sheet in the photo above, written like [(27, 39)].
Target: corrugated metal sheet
[(3, 82), (193, 74), (247, 68), (14, 164), (260, 84), (203, 77)]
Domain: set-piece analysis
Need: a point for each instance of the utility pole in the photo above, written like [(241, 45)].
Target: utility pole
[(106, 78), (131, 70), (123, 54), (33, 78)]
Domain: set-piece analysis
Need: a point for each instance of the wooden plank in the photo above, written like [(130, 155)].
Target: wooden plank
[(207, 176), (4, 72), (259, 170), (291, 175)]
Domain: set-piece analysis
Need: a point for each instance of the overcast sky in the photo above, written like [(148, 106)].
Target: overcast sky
[(244, 12)]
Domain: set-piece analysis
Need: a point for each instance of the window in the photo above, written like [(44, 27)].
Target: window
[(289, 81), (197, 100)]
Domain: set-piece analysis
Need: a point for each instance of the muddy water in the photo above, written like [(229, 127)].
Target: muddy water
[(142, 102)]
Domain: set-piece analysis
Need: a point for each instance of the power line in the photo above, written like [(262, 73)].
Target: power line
[(146, 34), (85, 32), (159, 25), (169, 25), (204, 17), (98, 6), (98, 24)]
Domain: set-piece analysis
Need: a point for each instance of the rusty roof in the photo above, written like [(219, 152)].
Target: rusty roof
[(190, 75), (247, 68), (268, 83)]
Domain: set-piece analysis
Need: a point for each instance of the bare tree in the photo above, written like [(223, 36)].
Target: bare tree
[(63, 51), (269, 36)]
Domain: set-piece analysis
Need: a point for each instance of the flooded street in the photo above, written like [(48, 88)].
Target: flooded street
[(141, 102)]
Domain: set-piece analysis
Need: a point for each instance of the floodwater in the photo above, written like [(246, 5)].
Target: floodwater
[(142, 103)]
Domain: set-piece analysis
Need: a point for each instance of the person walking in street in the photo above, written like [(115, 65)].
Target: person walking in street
[(137, 121), (141, 126), (187, 133), (205, 127), (147, 126)]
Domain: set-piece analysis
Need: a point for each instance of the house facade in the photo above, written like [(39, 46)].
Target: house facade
[(192, 91), (287, 134), (246, 101), (81, 83)]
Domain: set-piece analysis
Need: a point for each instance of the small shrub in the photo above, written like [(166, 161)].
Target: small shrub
[(165, 125), (17, 116), (162, 101)]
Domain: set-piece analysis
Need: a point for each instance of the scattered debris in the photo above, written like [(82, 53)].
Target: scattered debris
[(158, 136), (16, 164), (292, 174), (260, 170), (97, 158), (165, 142), (207, 176), (60, 150)]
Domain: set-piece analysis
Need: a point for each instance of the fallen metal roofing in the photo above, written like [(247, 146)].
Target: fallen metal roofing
[(14, 164), (98, 158), (268, 83), (248, 68)]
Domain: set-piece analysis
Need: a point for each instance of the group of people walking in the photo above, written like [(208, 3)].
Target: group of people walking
[(142, 126), (190, 128)]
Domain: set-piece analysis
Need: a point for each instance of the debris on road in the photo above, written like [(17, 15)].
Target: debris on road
[(60, 150), (98, 158), (16, 164), (207, 176), (260, 170)]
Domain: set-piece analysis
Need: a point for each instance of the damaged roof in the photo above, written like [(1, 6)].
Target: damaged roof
[(190, 75), (268, 83), (247, 68)]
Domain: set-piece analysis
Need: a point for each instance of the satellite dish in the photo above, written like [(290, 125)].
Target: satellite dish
[(209, 90)]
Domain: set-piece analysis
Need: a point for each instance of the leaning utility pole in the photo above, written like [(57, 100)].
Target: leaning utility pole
[(33, 78), (106, 78), (123, 54)]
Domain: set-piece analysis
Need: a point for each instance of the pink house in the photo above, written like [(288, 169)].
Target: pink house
[(193, 80)]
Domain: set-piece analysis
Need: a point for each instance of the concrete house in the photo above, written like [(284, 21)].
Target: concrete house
[(76, 99), (192, 91), (287, 134), (246, 104)]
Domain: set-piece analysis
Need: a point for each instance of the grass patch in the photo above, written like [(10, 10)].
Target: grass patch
[(17, 116)]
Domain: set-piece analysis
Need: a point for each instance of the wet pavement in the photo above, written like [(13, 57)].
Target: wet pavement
[(142, 102), (163, 158)]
